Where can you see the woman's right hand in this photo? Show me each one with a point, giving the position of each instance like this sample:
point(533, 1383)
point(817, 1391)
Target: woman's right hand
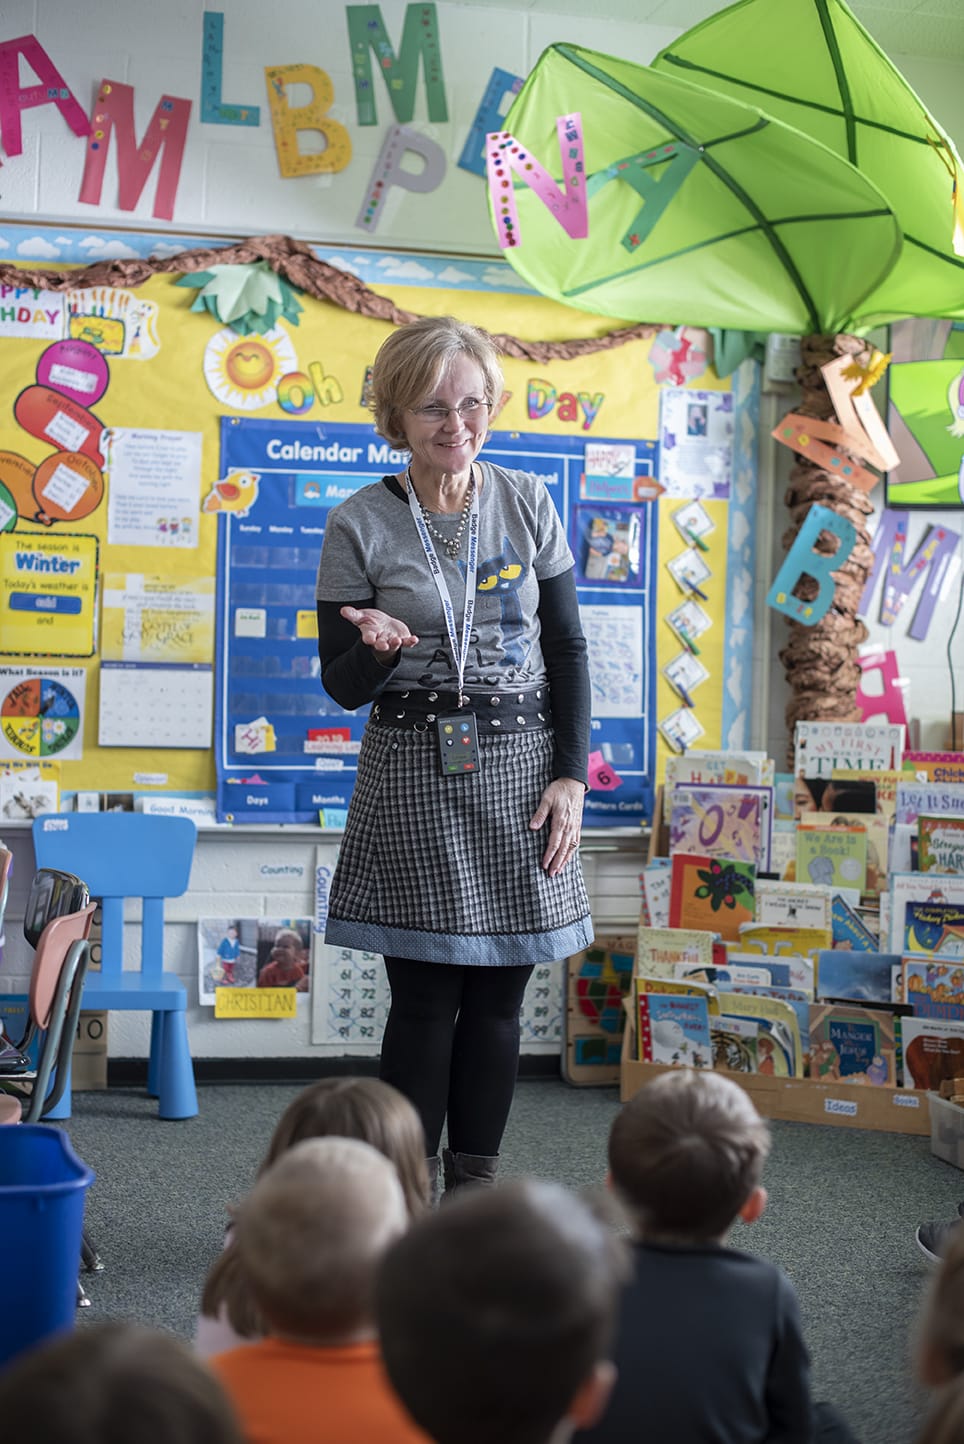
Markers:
point(384, 634)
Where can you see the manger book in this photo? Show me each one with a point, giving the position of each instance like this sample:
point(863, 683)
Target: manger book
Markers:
point(850, 1044)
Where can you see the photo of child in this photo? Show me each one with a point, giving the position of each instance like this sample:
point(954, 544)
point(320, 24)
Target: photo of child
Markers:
point(253, 953)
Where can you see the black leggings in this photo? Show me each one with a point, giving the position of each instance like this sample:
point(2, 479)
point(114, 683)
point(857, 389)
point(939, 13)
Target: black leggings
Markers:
point(451, 1045)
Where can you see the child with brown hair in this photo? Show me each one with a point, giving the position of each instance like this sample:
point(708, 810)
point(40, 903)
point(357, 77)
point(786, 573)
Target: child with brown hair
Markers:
point(310, 1237)
point(362, 1108)
point(496, 1316)
point(709, 1348)
point(113, 1381)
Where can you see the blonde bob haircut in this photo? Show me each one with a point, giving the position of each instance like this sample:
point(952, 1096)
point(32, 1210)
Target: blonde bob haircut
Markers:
point(413, 360)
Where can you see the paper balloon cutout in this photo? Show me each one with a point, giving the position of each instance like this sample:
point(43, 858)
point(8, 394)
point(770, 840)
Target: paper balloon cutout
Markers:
point(701, 210)
point(811, 64)
point(67, 486)
point(59, 421)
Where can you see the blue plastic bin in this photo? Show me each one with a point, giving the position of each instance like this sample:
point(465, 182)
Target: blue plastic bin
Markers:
point(43, 1187)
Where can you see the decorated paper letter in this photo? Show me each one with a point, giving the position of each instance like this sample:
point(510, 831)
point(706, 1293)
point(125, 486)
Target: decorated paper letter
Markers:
point(288, 120)
point(389, 171)
point(505, 156)
point(15, 98)
point(366, 32)
point(164, 138)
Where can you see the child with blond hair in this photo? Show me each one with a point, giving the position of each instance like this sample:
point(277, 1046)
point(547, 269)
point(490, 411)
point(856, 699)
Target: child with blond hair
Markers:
point(710, 1348)
point(364, 1108)
point(310, 1237)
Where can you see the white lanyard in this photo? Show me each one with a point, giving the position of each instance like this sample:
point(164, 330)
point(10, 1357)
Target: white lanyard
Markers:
point(459, 651)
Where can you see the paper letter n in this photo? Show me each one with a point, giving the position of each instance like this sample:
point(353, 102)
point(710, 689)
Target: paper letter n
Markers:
point(505, 156)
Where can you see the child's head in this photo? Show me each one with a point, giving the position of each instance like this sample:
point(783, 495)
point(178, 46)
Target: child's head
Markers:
point(114, 1381)
point(940, 1344)
point(496, 1315)
point(310, 1235)
point(362, 1108)
point(686, 1154)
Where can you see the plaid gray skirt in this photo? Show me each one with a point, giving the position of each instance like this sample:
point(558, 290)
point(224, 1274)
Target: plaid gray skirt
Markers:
point(447, 870)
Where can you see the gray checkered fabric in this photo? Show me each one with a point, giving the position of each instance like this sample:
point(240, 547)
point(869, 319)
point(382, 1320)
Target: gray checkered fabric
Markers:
point(447, 870)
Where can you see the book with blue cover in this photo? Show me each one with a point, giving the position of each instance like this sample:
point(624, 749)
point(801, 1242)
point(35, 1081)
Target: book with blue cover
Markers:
point(674, 1028)
point(856, 974)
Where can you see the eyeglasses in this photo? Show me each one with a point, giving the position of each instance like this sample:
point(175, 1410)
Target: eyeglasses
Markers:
point(468, 408)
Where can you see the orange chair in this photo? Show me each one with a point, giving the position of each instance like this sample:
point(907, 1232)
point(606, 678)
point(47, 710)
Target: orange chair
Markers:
point(56, 990)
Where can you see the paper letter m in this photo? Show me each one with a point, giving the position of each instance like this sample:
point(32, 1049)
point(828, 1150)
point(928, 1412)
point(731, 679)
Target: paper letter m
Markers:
point(367, 33)
point(164, 138)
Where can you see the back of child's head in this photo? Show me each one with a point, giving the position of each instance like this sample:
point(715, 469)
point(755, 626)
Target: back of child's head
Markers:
point(496, 1310)
point(685, 1153)
point(113, 1382)
point(311, 1233)
point(364, 1108)
point(940, 1345)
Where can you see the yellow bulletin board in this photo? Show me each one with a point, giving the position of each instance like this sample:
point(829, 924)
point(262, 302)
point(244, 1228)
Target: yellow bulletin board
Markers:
point(136, 586)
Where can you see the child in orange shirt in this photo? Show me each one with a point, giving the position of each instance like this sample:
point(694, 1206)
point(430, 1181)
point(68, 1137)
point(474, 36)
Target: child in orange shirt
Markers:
point(310, 1237)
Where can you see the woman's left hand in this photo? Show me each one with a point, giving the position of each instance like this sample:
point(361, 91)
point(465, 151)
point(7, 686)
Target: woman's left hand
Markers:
point(560, 806)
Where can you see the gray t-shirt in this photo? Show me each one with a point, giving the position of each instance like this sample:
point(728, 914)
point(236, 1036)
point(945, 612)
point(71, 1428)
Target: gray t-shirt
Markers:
point(372, 548)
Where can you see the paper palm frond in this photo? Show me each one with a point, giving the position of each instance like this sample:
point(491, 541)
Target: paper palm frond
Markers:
point(249, 297)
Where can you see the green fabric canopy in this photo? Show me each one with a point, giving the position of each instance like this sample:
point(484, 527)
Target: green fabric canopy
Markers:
point(702, 209)
point(811, 64)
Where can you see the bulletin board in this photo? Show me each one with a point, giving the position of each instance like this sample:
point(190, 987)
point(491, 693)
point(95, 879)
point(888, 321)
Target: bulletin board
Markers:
point(285, 751)
point(129, 417)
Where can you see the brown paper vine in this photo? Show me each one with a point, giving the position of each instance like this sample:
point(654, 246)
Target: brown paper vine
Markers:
point(820, 662)
point(297, 263)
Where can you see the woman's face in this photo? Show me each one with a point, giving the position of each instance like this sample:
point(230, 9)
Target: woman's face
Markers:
point(450, 444)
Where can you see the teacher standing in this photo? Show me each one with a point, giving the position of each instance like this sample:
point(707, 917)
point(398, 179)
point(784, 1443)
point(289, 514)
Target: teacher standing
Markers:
point(446, 596)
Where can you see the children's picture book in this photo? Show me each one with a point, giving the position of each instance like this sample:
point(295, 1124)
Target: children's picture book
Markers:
point(849, 930)
point(734, 1043)
point(852, 1045)
point(819, 747)
point(797, 999)
point(945, 799)
point(832, 856)
point(674, 1029)
point(793, 904)
point(935, 766)
point(877, 829)
point(935, 929)
point(940, 843)
point(865, 977)
point(711, 894)
point(786, 942)
point(779, 1045)
point(722, 820)
point(788, 970)
point(934, 990)
point(933, 1050)
point(655, 881)
point(908, 887)
point(687, 987)
point(884, 781)
point(660, 950)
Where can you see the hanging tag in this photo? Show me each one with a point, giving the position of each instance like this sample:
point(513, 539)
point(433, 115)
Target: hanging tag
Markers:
point(458, 743)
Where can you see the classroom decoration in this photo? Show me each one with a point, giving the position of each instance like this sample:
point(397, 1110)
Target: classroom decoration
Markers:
point(687, 200)
point(14, 98)
point(247, 297)
point(495, 102)
point(888, 700)
point(420, 41)
point(214, 111)
point(811, 65)
point(287, 120)
point(933, 557)
point(389, 172)
point(164, 138)
point(807, 561)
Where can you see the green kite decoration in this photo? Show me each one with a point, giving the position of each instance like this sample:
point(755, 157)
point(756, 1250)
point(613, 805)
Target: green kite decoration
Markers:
point(248, 297)
point(811, 64)
point(680, 205)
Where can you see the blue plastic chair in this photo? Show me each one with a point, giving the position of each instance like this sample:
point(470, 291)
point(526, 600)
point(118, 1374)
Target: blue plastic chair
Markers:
point(133, 855)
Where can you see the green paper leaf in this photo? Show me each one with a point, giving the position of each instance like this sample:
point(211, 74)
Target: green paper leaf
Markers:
point(811, 64)
point(758, 227)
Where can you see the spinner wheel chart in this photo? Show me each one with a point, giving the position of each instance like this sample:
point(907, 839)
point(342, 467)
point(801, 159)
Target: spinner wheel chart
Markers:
point(40, 717)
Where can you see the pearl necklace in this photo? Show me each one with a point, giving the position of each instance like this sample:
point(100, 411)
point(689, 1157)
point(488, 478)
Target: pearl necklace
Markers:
point(451, 545)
